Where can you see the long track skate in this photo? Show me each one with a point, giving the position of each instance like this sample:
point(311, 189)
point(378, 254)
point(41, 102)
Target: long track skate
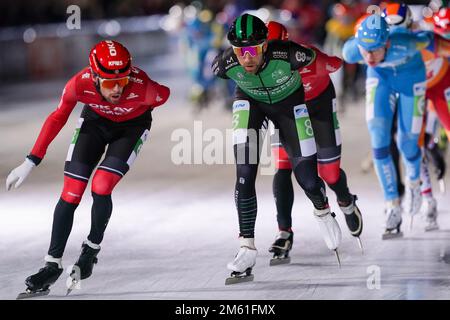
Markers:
point(280, 257)
point(73, 283)
point(392, 233)
point(281, 247)
point(239, 277)
point(28, 293)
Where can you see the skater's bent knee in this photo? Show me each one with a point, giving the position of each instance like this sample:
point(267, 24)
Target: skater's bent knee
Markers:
point(329, 172)
point(73, 190)
point(104, 182)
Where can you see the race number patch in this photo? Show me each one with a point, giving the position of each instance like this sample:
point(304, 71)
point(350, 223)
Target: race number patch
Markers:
point(241, 112)
point(371, 89)
point(74, 139)
point(137, 147)
point(419, 107)
point(447, 98)
point(304, 130)
point(337, 130)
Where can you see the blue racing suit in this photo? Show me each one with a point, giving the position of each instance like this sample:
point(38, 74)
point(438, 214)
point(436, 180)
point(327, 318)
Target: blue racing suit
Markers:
point(398, 81)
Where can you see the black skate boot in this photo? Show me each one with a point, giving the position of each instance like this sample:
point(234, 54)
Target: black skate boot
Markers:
point(281, 247)
point(84, 265)
point(353, 218)
point(39, 283)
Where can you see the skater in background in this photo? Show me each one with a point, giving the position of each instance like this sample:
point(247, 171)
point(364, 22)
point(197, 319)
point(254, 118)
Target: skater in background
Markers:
point(320, 99)
point(399, 18)
point(118, 100)
point(269, 86)
point(339, 28)
point(436, 57)
point(395, 67)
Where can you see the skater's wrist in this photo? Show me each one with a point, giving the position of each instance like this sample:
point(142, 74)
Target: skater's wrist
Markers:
point(36, 160)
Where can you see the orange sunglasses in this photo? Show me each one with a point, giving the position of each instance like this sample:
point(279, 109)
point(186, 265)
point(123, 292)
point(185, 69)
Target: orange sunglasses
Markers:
point(111, 83)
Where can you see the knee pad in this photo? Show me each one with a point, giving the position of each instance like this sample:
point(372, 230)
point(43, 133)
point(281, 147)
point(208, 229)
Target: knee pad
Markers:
point(281, 158)
point(73, 190)
point(329, 172)
point(104, 182)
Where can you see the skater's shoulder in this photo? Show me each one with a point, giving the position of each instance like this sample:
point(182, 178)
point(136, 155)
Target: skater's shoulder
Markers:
point(223, 62)
point(404, 41)
point(79, 83)
point(226, 56)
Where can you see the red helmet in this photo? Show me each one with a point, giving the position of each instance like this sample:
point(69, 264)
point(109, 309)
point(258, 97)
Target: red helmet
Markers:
point(110, 59)
point(277, 31)
point(442, 22)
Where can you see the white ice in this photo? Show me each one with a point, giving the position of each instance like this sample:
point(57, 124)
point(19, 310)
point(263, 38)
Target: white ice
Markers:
point(174, 228)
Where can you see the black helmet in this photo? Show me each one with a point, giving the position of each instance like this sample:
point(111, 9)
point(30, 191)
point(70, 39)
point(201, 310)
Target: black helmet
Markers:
point(247, 30)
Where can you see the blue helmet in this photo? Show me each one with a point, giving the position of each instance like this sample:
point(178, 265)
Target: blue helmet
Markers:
point(373, 32)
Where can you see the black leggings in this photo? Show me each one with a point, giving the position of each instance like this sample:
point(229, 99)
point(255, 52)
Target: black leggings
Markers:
point(123, 141)
point(326, 133)
point(289, 116)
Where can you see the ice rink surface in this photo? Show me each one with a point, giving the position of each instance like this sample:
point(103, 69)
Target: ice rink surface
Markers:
point(174, 227)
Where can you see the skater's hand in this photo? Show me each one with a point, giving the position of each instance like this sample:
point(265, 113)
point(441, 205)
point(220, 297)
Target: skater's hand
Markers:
point(19, 174)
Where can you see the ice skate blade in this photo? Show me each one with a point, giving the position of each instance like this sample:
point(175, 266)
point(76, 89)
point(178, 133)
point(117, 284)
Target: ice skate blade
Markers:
point(431, 228)
point(72, 286)
point(360, 245)
point(387, 236)
point(238, 279)
point(337, 257)
point(28, 295)
point(279, 261)
point(442, 186)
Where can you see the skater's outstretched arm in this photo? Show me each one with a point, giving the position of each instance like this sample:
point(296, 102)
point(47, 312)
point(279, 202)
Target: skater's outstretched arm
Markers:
point(52, 126)
point(55, 122)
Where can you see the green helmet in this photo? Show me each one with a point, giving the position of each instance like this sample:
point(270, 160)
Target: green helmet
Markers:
point(247, 30)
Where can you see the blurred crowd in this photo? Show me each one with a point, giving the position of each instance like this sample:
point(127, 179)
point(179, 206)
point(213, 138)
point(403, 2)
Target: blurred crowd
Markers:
point(201, 27)
point(22, 12)
point(323, 23)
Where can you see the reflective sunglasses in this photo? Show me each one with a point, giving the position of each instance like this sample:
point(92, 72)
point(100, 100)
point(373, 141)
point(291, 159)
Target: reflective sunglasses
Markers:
point(111, 83)
point(252, 50)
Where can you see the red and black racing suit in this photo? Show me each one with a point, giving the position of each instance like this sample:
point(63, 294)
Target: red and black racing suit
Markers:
point(119, 128)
